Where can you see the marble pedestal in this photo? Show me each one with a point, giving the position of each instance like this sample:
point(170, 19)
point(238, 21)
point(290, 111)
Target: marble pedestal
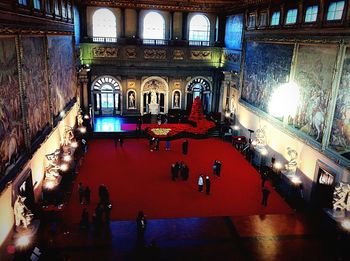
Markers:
point(153, 108)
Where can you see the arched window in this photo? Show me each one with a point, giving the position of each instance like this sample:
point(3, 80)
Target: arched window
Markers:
point(153, 28)
point(104, 26)
point(199, 30)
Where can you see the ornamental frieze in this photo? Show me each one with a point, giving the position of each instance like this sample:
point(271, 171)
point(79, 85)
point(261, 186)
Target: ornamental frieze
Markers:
point(155, 54)
point(178, 54)
point(104, 52)
point(200, 55)
point(232, 57)
point(130, 53)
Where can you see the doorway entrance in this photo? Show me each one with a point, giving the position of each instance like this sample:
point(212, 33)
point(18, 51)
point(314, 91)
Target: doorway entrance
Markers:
point(106, 97)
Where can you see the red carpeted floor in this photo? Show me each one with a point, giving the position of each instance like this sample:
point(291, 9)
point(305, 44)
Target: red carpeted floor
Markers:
point(138, 179)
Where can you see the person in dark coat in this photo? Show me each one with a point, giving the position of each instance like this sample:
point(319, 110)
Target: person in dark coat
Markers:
point(177, 169)
point(207, 185)
point(87, 194)
point(84, 222)
point(263, 179)
point(218, 168)
point(173, 172)
point(185, 147)
point(141, 224)
point(121, 142)
point(103, 194)
point(265, 196)
point(186, 172)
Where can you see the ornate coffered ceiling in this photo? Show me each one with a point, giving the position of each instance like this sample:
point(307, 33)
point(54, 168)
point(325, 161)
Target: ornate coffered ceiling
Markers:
point(180, 5)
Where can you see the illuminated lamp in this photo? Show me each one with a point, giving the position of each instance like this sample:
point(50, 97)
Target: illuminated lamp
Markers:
point(82, 129)
point(50, 184)
point(296, 180)
point(67, 158)
point(346, 224)
point(285, 100)
point(236, 127)
point(23, 241)
point(74, 144)
point(86, 117)
point(64, 167)
point(62, 114)
point(277, 165)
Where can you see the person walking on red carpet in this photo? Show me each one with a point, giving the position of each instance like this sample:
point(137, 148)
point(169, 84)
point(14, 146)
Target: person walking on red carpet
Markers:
point(185, 147)
point(265, 196)
point(141, 224)
point(207, 185)
point(87, 194)
point(173, 172)
point(200, 183)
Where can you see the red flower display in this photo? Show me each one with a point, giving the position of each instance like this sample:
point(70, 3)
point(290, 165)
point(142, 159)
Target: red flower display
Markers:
point(202, 125)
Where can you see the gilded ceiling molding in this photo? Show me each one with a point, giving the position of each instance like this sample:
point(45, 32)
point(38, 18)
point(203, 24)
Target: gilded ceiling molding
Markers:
point(7, 30)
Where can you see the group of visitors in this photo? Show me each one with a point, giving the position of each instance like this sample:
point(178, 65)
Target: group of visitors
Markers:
point(201, 184)
point(102, 210)
point(179, 168)
point(84, 194)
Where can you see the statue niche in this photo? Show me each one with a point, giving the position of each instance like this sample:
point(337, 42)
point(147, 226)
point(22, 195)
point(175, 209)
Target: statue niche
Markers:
point(152, 89)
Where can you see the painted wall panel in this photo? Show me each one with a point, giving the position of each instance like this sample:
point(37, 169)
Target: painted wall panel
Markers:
point(35, 84)
point(11, 125)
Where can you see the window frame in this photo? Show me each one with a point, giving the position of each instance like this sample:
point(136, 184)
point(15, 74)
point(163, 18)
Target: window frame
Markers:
point(251, 23)
point(272, 18)
point(194, 41)
point(342, 15)
point(261, 13)
point(306, 10)
point(106, 38)
point(157, 40)
point(287, 16)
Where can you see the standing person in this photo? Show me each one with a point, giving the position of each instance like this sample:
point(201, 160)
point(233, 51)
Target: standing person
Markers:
point(218, 168)
point(173, 172)
point(157, 144)
point(116, 139)
point(151, 140)
point(84, 222)
point(81, 192)
point(121, 142)
point(87, 194)
point(177, 168)
point(265, 195)
point(167, 145)
point(215, 167)
point(185, 147)
point(139, 124)
point(207, 185)
point(141, 224)
point(200, 183)
point(263, 178)
point(186, 172)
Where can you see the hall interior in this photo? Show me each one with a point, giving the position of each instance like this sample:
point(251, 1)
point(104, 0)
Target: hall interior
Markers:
point(260, 85)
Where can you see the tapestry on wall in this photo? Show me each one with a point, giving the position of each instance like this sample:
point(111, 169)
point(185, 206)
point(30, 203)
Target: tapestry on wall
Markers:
point(340, 135)
point(61, 71)
point(11, 127)
point(267, 66)
point(35, 84)
point(313, 75)
point(233, 32)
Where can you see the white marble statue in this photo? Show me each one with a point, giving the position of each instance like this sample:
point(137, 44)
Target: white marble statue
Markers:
point(131, 100)
point(80, 119)
point(67, 136)
point(23, 216)
point(51, 171)
point(292, 164)
point(153, 97)
point(177, 100)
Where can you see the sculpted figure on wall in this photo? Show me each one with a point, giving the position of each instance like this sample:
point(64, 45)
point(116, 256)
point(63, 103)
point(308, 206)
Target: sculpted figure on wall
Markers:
point(23, 216)
point(51, 171)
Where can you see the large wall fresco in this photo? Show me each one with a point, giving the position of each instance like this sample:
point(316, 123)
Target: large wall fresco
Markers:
point(340, 135)
point(267, 65)
point(233, 32)
point(314, 68)
point(35, 84)
point(61, 71)
point(11, 127)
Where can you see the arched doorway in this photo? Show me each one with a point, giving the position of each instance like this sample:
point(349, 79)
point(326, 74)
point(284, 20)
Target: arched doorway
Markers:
point(106, 96)
point(199, 86)
point(154, 96)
